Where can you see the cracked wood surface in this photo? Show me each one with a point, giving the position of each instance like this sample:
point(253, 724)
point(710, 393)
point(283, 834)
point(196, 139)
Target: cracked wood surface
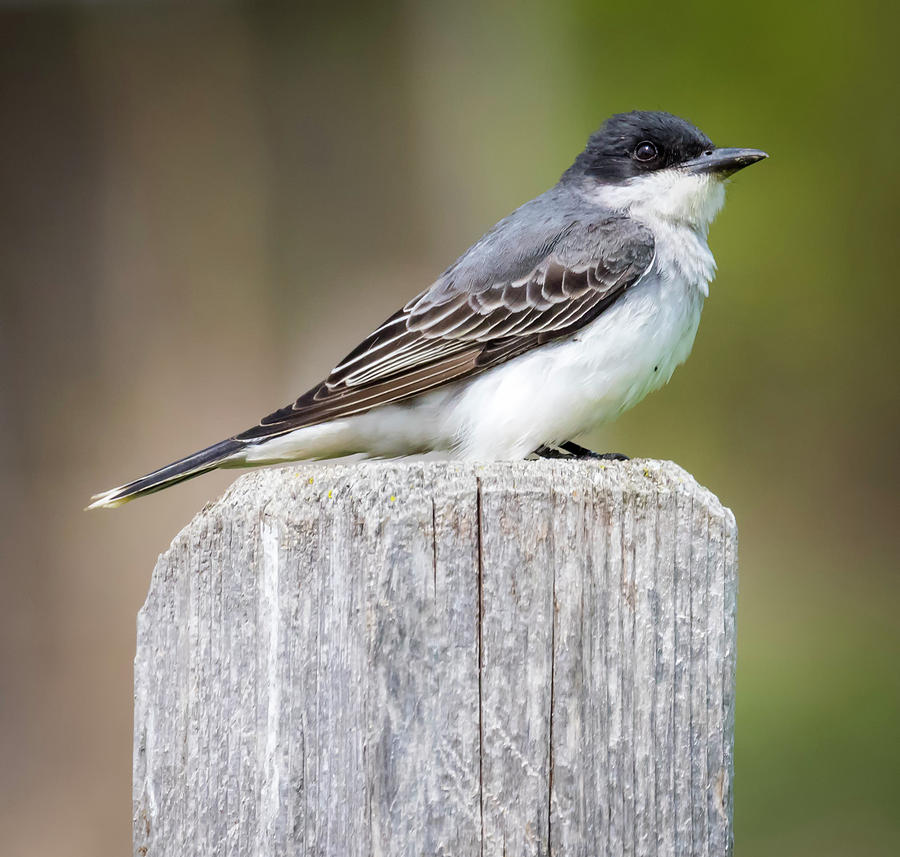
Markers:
point(441, 658)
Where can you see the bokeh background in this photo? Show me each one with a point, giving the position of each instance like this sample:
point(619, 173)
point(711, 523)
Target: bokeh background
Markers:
point(204, 206)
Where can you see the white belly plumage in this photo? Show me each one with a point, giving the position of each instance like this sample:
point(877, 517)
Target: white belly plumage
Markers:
point(561, 391)
point(551, 394)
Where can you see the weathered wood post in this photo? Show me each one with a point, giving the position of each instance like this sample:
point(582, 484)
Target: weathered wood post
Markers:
point(441, 659)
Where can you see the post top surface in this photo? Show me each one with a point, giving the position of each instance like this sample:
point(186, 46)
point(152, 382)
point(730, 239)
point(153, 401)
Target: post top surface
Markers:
point(274, 490)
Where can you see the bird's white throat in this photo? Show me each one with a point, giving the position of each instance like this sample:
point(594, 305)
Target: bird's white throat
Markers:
point(672, 196)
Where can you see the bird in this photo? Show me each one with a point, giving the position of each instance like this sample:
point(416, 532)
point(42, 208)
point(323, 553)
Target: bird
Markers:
point(562, 316)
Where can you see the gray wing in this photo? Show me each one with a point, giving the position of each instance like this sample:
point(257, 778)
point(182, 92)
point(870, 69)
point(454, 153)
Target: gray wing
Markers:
point(492, 305)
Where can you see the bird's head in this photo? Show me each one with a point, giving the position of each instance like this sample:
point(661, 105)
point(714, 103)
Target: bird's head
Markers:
point(657, 166)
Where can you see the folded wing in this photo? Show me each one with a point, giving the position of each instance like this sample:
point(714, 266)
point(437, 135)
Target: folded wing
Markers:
point(459, 328)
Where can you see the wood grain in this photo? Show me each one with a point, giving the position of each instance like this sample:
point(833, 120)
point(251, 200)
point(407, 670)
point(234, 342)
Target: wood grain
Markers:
point(440, 658)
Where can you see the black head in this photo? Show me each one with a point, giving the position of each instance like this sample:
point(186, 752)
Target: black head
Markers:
point(628, 145)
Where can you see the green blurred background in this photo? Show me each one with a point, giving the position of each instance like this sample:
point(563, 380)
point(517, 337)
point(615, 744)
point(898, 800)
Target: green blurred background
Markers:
point(205, 206)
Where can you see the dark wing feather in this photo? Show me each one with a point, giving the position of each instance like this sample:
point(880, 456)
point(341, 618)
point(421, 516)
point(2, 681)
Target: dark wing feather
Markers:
point(449, 333)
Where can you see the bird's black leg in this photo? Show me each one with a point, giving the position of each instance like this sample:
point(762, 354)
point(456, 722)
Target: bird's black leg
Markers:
point(583, 452)
point(544, 451)
point(568, 449)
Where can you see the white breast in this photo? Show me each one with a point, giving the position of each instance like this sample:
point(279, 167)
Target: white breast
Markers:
point(560, 391)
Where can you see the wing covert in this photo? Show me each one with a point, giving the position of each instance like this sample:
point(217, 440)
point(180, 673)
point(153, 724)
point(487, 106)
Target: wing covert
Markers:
point(453, 330)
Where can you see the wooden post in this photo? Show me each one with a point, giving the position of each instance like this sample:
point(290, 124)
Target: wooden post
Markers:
point(419, 659)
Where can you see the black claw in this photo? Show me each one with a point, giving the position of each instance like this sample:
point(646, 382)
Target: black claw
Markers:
point(573, 450)
point(583, 452)
point(544, 451)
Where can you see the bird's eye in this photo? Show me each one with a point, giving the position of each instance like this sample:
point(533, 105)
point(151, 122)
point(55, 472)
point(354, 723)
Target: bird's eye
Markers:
point(645, 151)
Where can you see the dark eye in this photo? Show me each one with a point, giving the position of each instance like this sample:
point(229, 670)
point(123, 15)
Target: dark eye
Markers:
point(645, 151)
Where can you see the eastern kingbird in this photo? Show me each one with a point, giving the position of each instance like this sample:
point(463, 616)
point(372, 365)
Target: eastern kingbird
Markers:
point(564, 315)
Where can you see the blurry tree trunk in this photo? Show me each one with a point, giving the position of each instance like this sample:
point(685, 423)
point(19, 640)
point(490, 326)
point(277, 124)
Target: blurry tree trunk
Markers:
point(441, 658)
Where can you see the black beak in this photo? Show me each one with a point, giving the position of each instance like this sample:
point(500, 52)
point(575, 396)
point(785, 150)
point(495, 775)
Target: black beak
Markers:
point(723, 162)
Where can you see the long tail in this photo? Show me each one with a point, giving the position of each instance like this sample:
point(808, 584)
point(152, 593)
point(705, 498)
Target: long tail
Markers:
point(185, 468)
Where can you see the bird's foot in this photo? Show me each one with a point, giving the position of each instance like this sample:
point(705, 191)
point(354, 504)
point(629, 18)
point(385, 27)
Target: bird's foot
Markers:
point(544, 451)
point(567, 449)
point(579, 451)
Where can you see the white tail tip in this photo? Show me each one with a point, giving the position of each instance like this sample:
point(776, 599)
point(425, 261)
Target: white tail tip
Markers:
point(106, 500)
